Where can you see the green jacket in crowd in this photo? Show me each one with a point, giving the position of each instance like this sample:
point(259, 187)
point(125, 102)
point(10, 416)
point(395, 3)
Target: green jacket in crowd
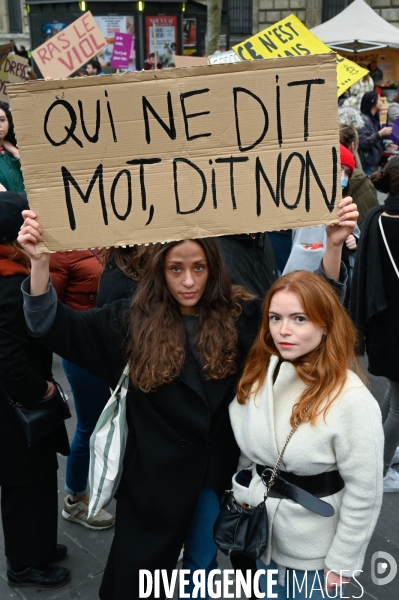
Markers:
point(363, 193)
point(10, 173)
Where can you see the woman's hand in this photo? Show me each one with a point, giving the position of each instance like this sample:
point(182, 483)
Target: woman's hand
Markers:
point(50, 389)
point(10, 149)
point(385, 131)
point(351, 243)
point(336, 236)
point(30, 235)
point(348, 214)
point(333, 580)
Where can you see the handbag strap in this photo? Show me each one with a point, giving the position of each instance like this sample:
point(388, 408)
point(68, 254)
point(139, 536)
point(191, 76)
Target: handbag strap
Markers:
point(280, 456)
point(387, 247)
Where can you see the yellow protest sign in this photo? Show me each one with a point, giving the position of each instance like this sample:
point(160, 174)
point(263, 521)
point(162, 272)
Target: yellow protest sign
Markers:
point(290, 37)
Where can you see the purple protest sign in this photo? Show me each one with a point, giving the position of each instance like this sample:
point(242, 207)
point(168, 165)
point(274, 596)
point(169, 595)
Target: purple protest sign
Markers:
point(122, 50)
point(395, 132)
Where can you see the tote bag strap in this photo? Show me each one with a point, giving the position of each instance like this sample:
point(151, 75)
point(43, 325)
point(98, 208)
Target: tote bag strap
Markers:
point(123, 382)
point(387, 247)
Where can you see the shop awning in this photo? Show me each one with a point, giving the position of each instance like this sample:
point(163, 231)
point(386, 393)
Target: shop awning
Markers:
point(357, 29)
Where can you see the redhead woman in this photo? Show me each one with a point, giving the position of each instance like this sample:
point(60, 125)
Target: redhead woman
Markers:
point(185, 335)
point(302, 375)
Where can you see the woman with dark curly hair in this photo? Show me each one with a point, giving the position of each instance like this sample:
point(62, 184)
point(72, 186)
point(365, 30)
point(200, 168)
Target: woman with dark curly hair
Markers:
point(185, 335)
point(10, 167)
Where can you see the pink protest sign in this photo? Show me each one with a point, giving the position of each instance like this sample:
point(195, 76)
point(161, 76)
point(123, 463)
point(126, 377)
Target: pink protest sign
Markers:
point(122, 50)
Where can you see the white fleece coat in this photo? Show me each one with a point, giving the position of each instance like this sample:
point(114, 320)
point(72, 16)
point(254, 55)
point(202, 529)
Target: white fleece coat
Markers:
point(351, 440)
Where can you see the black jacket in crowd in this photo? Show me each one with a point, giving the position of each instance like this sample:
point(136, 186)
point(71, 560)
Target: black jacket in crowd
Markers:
point(25, 365)
point(250, 261)
point(114, 285)
point(374, 295)
point(371, 143)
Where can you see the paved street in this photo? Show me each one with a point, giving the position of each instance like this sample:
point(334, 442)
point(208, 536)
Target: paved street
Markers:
point(88, 550)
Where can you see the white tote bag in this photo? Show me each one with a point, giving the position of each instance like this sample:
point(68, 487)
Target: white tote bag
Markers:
point(107, 448)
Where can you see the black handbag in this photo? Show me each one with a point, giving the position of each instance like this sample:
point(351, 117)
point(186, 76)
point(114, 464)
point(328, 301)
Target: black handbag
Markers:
point(39, 420)
point(241, 530)
point(244, 529)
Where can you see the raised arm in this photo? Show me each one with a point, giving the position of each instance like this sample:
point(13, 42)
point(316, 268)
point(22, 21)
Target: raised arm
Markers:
point(93, 340)
point(29, 236)
point(336, 236)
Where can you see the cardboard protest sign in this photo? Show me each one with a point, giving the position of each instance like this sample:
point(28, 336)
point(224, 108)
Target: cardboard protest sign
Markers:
point(65, 52)
point(13, 70)
point(190, 61)
point(290, 37)
point(5, 50)
point(122, 50)
point(180, 153)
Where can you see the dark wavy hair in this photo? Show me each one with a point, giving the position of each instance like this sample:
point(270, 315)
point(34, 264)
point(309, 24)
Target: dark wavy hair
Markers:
point(369, 100)
point(11, 133)
point(157, 334)
point(387, 181)
point(131, 260)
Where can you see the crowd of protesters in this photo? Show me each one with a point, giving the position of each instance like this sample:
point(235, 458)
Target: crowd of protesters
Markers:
point(225, 358)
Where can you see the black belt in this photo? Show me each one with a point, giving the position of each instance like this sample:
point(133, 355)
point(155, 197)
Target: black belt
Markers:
point(306, 490)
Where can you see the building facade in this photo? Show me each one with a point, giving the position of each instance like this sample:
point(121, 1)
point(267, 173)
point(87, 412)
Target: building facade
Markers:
point(247, 17)
point(14, 22)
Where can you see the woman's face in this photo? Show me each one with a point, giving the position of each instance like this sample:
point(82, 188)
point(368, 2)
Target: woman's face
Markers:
point(186, 274)
point(4, 125)
point(345, 175)
point(292, 331)
point(378, 104)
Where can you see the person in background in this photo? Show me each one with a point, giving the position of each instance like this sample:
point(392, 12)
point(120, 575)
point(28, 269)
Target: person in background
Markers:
point(362, 190)
point(371, 136)
point(149, 63)
point(10, 166)
point(75, 277)
point(250, 261)
point(374, 305)
point(376, 73)
point(81, 72)
point(28, 475)
point(93, 67)
point(366, 84)
point(393, 110)
point(282, 245)
point(123, 269)
point(350, 116)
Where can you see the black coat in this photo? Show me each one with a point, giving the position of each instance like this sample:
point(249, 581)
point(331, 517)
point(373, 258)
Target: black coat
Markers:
point(174, 443)
point(25, 365)
point(374, 295)
point(371, 143)
point(114, 285)
point(250, 261)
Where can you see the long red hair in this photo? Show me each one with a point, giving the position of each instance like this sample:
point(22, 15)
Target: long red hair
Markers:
point(324, 369)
